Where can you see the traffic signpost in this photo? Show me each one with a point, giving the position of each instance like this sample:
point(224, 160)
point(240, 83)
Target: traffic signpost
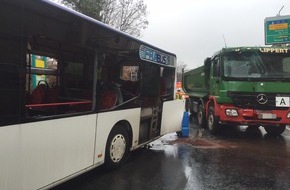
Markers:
point(277, 30)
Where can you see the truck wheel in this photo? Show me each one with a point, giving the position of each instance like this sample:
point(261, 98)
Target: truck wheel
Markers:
point(187, 105)
point(200, 116)
point(188, 108)
point(212, 121)
point(274, 130)
point(117, 148)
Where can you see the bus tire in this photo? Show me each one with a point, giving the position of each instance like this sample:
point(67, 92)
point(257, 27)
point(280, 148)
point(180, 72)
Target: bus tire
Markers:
point(275, 130)
point(212, 121)
point(117, 148)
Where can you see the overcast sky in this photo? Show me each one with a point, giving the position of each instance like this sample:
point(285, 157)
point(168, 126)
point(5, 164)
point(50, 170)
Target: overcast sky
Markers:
point(194, 29)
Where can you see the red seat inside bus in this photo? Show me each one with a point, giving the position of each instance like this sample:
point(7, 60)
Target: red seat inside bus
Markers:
point(52, 94)
point(38, 94)
point(108, 99)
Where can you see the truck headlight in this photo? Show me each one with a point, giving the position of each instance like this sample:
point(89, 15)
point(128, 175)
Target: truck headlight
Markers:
point(232, 112)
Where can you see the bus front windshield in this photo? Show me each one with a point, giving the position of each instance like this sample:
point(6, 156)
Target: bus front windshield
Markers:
point(257, 65)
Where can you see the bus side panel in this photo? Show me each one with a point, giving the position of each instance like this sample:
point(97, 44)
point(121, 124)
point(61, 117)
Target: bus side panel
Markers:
point(36, 154)
point(105, 123)
point(172, 116)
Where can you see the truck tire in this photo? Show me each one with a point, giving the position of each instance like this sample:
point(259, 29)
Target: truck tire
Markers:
point(188, 108)
point(188, 105)
point(212, 121)
point(200, 116)
point(274, 130)
point(117, 148)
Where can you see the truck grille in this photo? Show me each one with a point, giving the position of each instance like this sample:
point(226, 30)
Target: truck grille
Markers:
point(250, 100)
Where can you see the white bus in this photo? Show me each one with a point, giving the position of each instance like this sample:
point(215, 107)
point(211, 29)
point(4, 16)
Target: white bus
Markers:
point(76, 94)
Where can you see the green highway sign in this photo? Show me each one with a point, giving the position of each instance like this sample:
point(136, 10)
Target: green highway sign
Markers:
point(277, 30)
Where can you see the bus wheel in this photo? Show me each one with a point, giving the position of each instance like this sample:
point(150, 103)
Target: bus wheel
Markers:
point(274, 130)
point(212, 121)
point(200, 116)
point(117, 148)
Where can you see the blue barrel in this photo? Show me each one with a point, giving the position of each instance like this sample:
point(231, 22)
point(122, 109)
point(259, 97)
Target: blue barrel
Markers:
point(185, 125)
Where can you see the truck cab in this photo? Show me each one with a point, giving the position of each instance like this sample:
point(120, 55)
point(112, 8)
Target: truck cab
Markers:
point(241, 86)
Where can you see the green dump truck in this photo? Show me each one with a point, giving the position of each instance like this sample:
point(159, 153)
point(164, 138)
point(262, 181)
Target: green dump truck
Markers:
point(241, 86)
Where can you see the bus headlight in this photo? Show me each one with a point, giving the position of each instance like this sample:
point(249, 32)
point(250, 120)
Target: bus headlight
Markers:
point(232, 112)
point(288, 115)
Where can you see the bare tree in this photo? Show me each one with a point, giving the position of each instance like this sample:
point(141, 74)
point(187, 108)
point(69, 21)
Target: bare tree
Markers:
point(126, 15)
point(91, 8)
point(179, 70)
point(129, 16)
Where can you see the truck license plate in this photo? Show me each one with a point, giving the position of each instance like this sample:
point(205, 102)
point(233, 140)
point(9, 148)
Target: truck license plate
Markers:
point(267, 116)
point(282, 101)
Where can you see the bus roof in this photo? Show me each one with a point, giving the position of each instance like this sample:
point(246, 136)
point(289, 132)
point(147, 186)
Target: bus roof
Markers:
point(61, 8)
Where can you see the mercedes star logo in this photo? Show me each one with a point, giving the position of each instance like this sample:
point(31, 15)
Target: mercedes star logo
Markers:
point(262, 99)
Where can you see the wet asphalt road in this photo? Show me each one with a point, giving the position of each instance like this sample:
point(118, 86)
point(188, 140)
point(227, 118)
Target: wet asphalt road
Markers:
point(238, 158)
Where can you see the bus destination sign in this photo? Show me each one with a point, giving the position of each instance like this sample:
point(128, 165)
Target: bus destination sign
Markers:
point(149, 54)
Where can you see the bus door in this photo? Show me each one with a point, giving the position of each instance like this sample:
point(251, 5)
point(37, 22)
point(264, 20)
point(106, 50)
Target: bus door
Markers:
point(172, 110)
point(157, 91)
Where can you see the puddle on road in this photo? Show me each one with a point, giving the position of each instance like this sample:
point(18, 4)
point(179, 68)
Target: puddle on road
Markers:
point(161, 143)
point(200, 143)
point(197, 142)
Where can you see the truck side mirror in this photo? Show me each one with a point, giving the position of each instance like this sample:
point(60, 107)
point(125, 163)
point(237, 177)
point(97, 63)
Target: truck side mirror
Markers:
point(216, 68)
